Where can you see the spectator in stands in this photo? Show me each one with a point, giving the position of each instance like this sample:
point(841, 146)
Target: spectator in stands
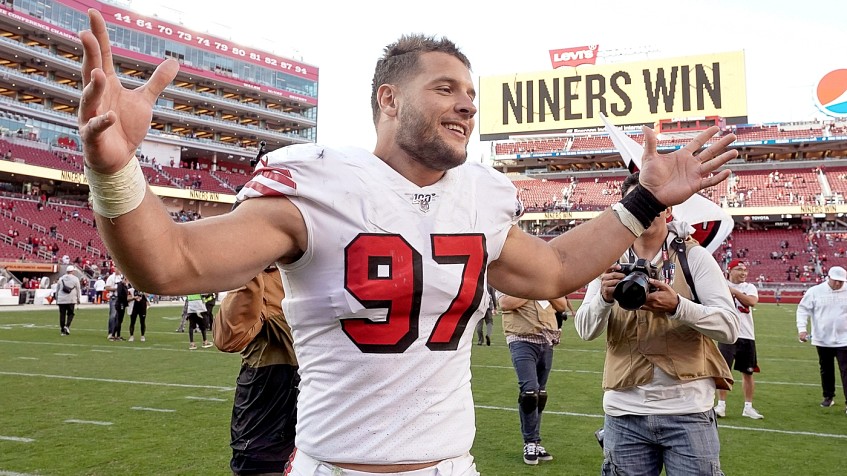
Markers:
point(8, 155)
point(264, 411)
point(531, 334)
point(824, 305)
point(68, 292)
point(743, 351)
point(423, 112)
point(662, 367)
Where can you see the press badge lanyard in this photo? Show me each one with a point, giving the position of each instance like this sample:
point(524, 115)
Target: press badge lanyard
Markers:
point(668, 268)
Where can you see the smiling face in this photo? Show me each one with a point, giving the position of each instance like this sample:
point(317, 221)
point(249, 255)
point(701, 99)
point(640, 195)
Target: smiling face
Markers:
point(435, 112)
point(738, 274)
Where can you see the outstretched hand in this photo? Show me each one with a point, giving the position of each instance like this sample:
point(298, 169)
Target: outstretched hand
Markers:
point(674, 177)
point(113, 120)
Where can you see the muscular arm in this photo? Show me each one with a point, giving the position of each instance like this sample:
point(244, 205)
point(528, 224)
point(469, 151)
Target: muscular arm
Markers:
point(212, 254)
point(532, 268)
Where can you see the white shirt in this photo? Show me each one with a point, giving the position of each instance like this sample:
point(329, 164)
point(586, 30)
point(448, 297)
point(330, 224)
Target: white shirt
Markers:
point(99, 285)
point(745, 314)
point(380, 388)
point(827, 309)
point(665, 395)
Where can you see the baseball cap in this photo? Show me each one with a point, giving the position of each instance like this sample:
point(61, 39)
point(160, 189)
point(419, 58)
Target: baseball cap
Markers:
point(735, 263)
point(71, 269)
point(837, 273)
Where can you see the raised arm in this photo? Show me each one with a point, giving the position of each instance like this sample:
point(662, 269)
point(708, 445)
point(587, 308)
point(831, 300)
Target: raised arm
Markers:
point(532, 268)
point(157, 254)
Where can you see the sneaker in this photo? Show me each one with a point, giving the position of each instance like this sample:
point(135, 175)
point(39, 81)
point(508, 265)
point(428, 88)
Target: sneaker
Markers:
point(543, 455)
point(66, 330)
point(479, 343)
point(180, 330)
point(132, 338)
point(143, 339)
point(751, 412)
point(192, 346)
point(720, 411)
point(110, 337)
point(207, 344)
point(827, 402)
point(530, 454)
point(487, 340)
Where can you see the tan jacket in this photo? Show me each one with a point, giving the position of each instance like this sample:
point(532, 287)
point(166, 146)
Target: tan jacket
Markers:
point(251, 321)
point(529, 319)
point(638, 340)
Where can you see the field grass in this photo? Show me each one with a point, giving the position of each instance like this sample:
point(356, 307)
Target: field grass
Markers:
point(80, 405)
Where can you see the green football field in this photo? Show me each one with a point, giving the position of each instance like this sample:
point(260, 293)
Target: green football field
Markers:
point(81, 405)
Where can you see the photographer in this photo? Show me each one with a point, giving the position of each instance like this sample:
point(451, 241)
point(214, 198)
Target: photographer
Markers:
point(662, 367)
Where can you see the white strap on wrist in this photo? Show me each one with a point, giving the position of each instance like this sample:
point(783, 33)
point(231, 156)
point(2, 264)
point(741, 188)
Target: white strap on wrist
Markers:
point(113, 195)
point(628, 219)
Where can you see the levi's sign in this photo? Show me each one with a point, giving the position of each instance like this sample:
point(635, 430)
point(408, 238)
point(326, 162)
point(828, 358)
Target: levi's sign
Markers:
point(632, 93)
point(573, 56)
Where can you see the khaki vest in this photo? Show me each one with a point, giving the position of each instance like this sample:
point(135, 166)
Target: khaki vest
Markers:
point(529, 319)
point(638, 340)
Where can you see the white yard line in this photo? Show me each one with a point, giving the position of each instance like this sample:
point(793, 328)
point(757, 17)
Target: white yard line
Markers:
point(207, 399)
point(16, 438)
point(89, 422)
point(110, 380)
point(148, 409)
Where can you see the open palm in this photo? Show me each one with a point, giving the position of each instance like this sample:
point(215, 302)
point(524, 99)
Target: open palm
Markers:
point(674, 177)
point(113, 120)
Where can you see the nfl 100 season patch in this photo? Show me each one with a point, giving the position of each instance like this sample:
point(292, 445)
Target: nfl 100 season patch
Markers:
point(423, 200)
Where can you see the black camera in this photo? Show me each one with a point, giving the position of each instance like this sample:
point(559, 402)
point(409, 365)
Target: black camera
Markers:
point(631, 293)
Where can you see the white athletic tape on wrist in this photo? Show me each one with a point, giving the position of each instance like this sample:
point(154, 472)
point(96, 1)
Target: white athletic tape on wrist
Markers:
point(113, 195)
point(628, 219)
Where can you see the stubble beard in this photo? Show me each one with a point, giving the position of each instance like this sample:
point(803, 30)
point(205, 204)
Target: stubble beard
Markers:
point(423, 144)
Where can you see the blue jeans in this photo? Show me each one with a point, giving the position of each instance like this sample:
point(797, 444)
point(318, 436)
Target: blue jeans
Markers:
point(532, 363)
point(641, 445)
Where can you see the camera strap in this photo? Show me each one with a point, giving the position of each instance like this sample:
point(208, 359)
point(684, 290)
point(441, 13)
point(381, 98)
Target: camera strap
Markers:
point(678, 245)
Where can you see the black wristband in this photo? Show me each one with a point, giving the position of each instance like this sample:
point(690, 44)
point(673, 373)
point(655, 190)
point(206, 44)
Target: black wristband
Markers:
point(643, 205)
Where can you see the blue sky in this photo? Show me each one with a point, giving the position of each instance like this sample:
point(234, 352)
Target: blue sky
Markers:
point(788, 45)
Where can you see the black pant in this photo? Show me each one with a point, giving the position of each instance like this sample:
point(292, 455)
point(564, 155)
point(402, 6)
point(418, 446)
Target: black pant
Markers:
point(116, 317)
point(825, 358)
point(264, 416)
point(196, 321)
point(141, 315)
point(66, 315)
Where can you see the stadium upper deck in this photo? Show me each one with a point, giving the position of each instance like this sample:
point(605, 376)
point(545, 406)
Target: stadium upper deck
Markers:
point(226, 98)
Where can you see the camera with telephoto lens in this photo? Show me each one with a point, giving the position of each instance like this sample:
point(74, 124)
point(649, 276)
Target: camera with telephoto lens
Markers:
point(631, 292)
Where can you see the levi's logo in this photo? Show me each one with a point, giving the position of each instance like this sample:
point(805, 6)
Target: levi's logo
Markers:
point(573, 56)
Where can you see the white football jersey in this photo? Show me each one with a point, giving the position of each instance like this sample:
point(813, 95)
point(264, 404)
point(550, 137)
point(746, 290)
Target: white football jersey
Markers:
point(383, 303)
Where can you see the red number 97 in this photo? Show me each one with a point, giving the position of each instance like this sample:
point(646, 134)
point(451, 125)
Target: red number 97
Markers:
point(386, 272)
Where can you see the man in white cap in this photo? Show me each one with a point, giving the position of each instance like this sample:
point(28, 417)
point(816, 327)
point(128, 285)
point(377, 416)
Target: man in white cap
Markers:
point(67, 297)
point(826, 306)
